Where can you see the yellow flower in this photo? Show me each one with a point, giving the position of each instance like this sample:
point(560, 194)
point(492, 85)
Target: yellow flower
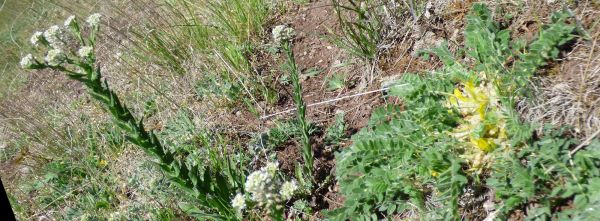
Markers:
point(102, 163)
point(482, 129)
point(470, 100)
point(483, 144)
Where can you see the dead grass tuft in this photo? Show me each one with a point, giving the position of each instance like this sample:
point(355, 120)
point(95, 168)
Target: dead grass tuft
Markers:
point(572, 95)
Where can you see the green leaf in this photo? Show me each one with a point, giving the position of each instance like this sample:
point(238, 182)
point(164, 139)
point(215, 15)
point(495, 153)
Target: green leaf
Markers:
point(336, 82)
point(196, 212)
point(311, 72)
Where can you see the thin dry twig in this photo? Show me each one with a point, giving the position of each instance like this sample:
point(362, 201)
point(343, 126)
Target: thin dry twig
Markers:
point(330, 101)
point(584, 143)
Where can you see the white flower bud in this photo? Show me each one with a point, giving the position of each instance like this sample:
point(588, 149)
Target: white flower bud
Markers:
point(288, 189)
point(265, 187)
point(70, 20)
point(36, 38)
point(271, 168)
point(53, 36)
point(55, 57)
point(283, 33)
point(257, 184)
point(94, 19)
point(238, 202)
point(28, 61)
point(85, 51)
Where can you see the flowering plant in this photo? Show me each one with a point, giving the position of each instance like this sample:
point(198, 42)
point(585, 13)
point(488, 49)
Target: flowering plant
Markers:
point(282, 34)
point(208, 185)
point(53, 43)
point(483, 127)
point(267, 190)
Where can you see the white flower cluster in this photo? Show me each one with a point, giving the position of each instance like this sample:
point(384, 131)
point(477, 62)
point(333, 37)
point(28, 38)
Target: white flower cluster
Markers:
point(28, 61)
point(288, 189)
point(282, 33)
point(261, 184)
point(266, 188)
point(53, 36)
point(94, 19)
point(36, 38)
point(55, 57)
point(54, 39)
point(85, 51)
point(271, 168)
point(239, 202)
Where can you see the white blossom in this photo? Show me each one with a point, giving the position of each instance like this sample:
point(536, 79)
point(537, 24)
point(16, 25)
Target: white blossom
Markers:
point(55, 57)
point(283, 33)
point(288, 189)
point(70, 20)
point(28, 61)
point(266, 188)
point(85, 51)
point(36, 38)
point(94, 19)
point(271, 168)
point(238, 202)
point(53, 35)
point(257, 184)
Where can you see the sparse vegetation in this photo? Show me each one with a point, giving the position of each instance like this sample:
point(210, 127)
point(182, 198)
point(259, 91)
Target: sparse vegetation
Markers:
point(271, 110)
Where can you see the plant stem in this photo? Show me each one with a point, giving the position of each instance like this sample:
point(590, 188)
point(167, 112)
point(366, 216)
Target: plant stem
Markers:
point(307, 152)
point(209, 187)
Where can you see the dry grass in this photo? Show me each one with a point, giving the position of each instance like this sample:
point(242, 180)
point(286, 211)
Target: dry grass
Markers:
point(569, 94)
point(572, 96)
point(51, 118)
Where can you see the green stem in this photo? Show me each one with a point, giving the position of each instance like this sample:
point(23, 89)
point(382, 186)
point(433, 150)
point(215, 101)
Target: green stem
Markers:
point(307, 152)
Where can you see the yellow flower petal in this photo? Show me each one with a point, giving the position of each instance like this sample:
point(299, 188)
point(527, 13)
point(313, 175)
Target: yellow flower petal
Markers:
point(459, 95)
point(484, 144)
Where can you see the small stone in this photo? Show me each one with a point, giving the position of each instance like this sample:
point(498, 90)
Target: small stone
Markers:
point(25, 170)
point(337, 63)
point(428, 6)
